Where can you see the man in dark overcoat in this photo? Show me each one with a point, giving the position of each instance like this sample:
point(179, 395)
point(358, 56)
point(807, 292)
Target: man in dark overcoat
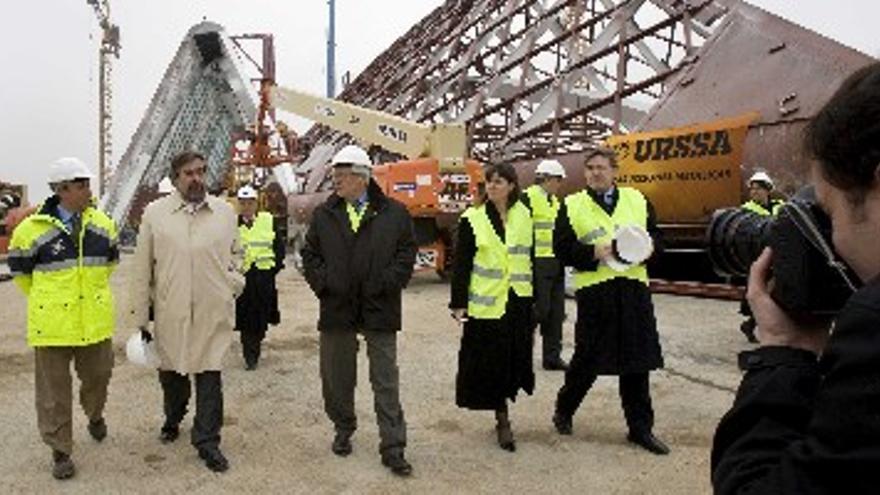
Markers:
point(358, 256)
point(615, 333)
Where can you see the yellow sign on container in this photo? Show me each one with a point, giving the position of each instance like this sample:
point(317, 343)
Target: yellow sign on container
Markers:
point(686, 172)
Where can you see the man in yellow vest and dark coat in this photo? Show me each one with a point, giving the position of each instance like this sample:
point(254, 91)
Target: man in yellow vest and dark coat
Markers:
point(358, 256)
point(760, 203)
point(263, 255)
point(549, 279)
point(615, 333)
point(62, 257)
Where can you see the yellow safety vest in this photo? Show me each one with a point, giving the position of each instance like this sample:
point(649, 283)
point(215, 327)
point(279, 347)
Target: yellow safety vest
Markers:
point(68, 289)
point(499, 266)
point(257, 241)
point(592, 225)
point(544, 210)
point(354, 216)
point(755, 207)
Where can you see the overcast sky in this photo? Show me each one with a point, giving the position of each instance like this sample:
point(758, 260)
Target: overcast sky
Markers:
point(49, 66)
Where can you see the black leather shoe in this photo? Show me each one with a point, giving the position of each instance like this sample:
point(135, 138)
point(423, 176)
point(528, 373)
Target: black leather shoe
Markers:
point(562, 424)
point(397, 464)
point(555, 365)
point(169, 434)
point(214, 459)
point(342, 444)
point(250, 366)
point(98, 429)
point(62, 466)
point(648, 442)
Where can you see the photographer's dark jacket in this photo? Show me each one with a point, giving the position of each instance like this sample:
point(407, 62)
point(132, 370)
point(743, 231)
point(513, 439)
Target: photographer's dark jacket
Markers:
point(807, 426)
point(358, 276)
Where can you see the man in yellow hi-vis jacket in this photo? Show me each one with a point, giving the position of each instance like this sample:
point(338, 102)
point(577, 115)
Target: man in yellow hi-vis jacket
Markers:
point(62, 257)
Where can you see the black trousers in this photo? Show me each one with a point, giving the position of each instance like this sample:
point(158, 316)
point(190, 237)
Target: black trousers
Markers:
point(549, 305)
point(205, 433)
point(251, 346)
point(635, 396)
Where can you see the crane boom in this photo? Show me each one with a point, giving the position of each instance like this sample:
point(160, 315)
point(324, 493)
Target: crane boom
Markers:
point(445, 142)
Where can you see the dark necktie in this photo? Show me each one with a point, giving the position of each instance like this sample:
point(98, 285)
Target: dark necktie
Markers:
point(75, 226)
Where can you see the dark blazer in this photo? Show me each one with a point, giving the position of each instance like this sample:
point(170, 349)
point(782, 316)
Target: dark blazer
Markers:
point(358, 277)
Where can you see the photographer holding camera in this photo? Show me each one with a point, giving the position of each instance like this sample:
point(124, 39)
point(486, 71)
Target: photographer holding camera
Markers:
point(806, 418)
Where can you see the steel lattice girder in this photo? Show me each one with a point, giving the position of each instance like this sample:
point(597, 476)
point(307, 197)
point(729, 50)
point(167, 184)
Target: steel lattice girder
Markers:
point(532, 78)
point(202, 101)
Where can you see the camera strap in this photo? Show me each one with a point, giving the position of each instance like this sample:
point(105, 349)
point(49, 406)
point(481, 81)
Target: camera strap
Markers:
point(804, 222)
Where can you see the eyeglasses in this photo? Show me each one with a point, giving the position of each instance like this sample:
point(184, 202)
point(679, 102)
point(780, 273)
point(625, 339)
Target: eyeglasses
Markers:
point(341, 175)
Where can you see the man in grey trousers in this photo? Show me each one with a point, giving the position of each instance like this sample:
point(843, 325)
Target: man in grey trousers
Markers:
point(358, 256)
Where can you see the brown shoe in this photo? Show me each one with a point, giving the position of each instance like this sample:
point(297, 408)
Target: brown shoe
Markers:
point(505, 436)
point(62, 466)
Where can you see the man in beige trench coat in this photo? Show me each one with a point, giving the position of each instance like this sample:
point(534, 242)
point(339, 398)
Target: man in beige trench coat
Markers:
point(187, 265)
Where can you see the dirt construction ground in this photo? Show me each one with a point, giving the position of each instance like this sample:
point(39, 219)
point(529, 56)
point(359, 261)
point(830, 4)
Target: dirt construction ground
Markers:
point(278, 440)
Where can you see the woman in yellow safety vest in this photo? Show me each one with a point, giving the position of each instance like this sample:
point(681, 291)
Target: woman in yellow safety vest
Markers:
point(492, 298)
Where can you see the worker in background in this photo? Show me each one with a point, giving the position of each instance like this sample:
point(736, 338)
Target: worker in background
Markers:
point(615, 332)
point(62, 257)
point(549, 277)
point(358, 256)
point(491, 296)
point(263, 255)
point(760, 203)
point(187, 264)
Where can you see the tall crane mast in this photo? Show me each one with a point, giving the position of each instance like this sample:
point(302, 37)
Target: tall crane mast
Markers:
point(109, 47)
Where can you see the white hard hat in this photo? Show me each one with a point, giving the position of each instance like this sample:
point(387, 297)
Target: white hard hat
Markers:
point(634, 246)
point(761, 176)
point(66, 169)
point(550, 167)
point(247, 192)
point(352, 155)
point(165, 186)
point(141, 352)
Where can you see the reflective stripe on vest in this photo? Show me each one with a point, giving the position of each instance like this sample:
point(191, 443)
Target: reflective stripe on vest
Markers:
point(544, 210)
point(355, 217)
point(757, 208)
point(68, 288)
point(257, 241)
point(592, 225)
point(499, 266)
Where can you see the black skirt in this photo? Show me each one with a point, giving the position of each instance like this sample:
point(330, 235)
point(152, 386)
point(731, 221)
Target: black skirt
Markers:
point(495, 358)
point(253, 308)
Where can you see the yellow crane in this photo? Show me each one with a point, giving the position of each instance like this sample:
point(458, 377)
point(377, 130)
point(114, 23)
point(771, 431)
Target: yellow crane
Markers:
point(109, 47)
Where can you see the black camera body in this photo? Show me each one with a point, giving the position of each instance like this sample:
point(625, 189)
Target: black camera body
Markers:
point(809, 277)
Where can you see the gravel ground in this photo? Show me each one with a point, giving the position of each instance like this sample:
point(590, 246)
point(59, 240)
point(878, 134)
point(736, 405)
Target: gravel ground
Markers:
point(277, 437)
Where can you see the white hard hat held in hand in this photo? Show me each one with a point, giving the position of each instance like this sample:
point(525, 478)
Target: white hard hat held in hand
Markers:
point(550, 168)
point(247, 192)
point(634, 246)
point(67, 169)
point(762, 177)
point(141, 352)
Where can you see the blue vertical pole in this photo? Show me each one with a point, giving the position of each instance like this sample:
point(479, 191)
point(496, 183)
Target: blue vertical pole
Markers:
point(331, 51)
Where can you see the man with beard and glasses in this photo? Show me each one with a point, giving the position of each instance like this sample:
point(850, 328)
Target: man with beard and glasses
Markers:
point(187, 265)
